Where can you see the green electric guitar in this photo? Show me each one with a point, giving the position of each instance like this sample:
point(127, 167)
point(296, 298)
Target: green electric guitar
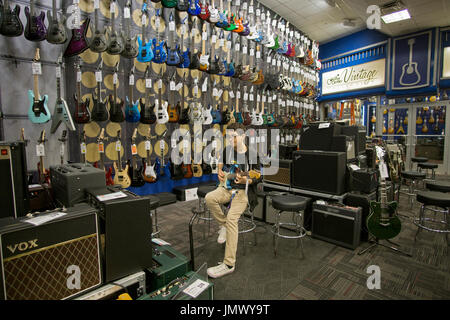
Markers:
point(383, 222)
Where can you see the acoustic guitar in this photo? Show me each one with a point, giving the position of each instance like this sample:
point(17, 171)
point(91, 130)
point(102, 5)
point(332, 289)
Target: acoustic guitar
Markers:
point(121, 176)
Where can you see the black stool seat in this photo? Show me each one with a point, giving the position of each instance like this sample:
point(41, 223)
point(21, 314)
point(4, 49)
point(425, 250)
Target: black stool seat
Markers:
point(154, 202)
point(202, 191)
point(166, 198)
point(413, 175)
point(433, 198)
point(419, 159)
point(289, 202)
point(428, 165)
point(441, 186)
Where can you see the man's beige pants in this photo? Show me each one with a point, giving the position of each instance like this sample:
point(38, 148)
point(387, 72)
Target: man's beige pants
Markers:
point(238, 205)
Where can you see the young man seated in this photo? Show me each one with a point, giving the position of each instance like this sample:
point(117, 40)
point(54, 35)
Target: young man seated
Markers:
point(238, 196)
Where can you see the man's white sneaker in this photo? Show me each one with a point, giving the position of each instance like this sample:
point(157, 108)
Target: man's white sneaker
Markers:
point(219, 271)
point(222, 235)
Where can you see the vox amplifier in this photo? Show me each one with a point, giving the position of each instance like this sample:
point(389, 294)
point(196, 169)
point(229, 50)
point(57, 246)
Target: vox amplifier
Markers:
point(51, 256)
point(283, 176)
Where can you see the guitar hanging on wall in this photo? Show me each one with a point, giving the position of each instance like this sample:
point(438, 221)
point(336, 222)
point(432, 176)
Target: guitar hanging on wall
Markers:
point(148, 115)
point(44, 174)
point(130, 49)
point(63, 141)
point(62, 112)
point(99, 42)
point(56, 27)
point(10, 25)
point(115, 108)
point(35, 29)
point(101, 150)
point(410, 74)
point(132, 107)
point(148, 174)
point(121, 174)
point(78, 43)
point(145, 47)
point(38, 111)
point(99, 111)
point(162, 116)
point(116, 40)
point(81, 114)
point(135, 173)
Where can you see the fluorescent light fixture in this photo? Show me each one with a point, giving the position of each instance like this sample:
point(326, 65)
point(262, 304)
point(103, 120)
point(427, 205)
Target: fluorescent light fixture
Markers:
point(396, 16)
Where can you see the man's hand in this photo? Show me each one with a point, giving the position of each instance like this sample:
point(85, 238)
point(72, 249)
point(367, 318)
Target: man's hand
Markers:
point(221, 175)
point(240, 179)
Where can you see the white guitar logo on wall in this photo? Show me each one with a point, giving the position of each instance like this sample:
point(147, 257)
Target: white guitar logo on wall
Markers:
point(410, 75)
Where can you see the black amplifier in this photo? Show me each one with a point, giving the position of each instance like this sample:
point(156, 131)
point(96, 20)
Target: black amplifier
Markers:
point(286, 150)
point(50, 256)
point(14, 185)
point(125, 227)
point(319, 136)
point(355, 199)
point(336, 223)
point(69, 182)
point(364, 180)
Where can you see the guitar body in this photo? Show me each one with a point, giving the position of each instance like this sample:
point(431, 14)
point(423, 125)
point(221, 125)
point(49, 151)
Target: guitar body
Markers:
point(194, 8)
point(197, 171)
point(182, 5)
point(238, 117)
point(99, 111)
point(82, 114)
point(132, 111)
point(231, 23)
point(11, 25)
point(213, 15)
point(162, 116)
point(177, 171)
point(56, 30)
point(78, 43)
point(206, 168)
point(213, 66)
point(195, 62)
point(99, 43)
point(108, 177)
point(121, 177)
point(230, 69)
point(246, 30)
point(116, 43)
point(410, 74)
point(185, 59)
point(35, 29)
point(169, 3)
point(130, 48)
point(225, 117)
point(247, 119)
point(148, 115)
point(270, 119)
point(173, 56)
point(204, 11)
point(160, 54)
point(187, 171)
point(148, 174)
point(145, 51)
point(184, 118)
point(174, 114)
point(62, 114)
point(115, 110)
point(207, 116)
point(38, 111)
point(217, 116)
point(204, 63)
point(239, 26)
point(374, 221)
point(196, 112)
point(135, 176)
point(223, 21)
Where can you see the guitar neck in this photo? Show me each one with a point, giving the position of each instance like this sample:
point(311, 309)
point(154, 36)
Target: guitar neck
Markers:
point(96, 19)
point(58, 89)
point(36, 87)
point(54, 12)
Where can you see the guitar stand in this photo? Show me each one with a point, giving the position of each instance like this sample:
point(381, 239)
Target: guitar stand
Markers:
point(376, 242)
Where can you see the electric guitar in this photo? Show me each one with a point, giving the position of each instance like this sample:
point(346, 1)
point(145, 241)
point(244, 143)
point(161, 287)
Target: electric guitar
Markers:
point(169, 3)
point(132, 107)
point(130, 49)
point(232, 173)
point(160, 54)
point(10, 25)
point(38, 111)
point(204, 59)
point(229, 64)
point(99, 42)
point(148, 174)
point(173, 110)
point(116, 40)
point(410, 74)
point(206, 112)
point(215, 112)
point(35, 29)
point(246, 30)
point(173, 55)
point(56, 27)
point(145, 48)
point(162, 115)
point(115, 108)
point(237, 114)
point(221, 64)
point(101, 149)
point(81, 114)
point(99, 111)
point(63, 140)
point(383, 222)
point(223, 20)
point(246, 114)
point(164, 169)
point(204, 10)
point(194, 58)
point(213, 13)
point(185, 56)
point(83, 147)
point(62, 112)
point(213, 60)
point(185, 111)
point(121, 174)
point(225, 113)
point(182, 5)
point(44, 174)
point(78, 42)
point(134, 172)
point(194, 8)
point(196, 108)
point(231, 19)
point(148, 115)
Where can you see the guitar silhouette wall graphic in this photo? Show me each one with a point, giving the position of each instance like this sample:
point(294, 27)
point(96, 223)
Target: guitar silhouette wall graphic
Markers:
point(410, 75)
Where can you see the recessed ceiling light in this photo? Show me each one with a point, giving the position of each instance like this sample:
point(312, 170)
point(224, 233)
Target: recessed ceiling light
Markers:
point(396, 16)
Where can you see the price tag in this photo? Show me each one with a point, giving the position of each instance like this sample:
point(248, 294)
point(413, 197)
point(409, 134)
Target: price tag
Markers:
point(269, 100)
point(258, 54)
point(324, 125)
point(78, 76)
point(278, 63)
point(144, 20)
point(83, 148)
point(115, 78)
point(274, 62)
point(133, 149)
point(278, 138)
point(264, 98)
point(172, 85)
point(237, 47)
point(204, 142)
point(258, 98)
point(126, 12)
point(245, 96)
point(244, 49)
point(195, 90)
point(205, 86)
point(148, 83)
point(252, 140)
point(252, 52)
point(61, 150)
point(160, 84)
point(250, 10)
point(204, 36)
point(221, 42)
point(229, 44)
point(179, 86)
point(238, 94)
point(269, 59)
point(131, 82)
point(173, 143)
point(213, 38)
point(274, 23)
point(98, 76)
point(162, 145)
point(252, 97)
point(147, 145)
point(231, 94)
point(263, 139)
point(215, 92)
point(258, 139)
point(40, 150)
point(172, 26)
point(58, 72)
point(258, 13)
point(37, 68)
point(118, 146)
point(101, 147)
point(219, 93)
point(274, 97)
point(112, 7)
point(96, 4)
point(238, 3)
point(157, 23)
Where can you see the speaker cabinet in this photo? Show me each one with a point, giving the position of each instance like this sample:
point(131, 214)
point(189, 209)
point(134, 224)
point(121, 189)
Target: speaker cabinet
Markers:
point(320, 171)
point(283, 176)
point(319, 136)
point(42, 262)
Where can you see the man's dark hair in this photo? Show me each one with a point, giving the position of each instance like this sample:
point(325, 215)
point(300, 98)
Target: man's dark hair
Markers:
point(236, 126)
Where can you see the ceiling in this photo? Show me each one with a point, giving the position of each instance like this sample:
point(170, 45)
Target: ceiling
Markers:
point(323, 23)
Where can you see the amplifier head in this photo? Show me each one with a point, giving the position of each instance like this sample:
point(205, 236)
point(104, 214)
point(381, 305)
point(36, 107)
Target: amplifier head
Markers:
point(283, 176)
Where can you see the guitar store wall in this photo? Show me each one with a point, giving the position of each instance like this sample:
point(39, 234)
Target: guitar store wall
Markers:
point(16, 55)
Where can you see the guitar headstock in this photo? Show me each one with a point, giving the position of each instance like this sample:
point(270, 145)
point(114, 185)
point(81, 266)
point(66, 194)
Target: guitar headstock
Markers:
point(101, 137)
point(42, 137)
point(133, 137)
point(100, 65)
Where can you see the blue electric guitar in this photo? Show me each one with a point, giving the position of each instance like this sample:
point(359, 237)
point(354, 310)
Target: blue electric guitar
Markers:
point(194, 8)
point(159, 51)
point(223, 19)
point(185, 56)
point(410, 74)
point(173, 54)
point(131, 110)
point(38, 111)
point(231, 172)
point(145, 48)
point(230, 64)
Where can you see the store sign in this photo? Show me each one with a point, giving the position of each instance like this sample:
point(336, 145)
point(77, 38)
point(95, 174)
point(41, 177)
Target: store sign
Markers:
point(361, 76)
point(446, 63)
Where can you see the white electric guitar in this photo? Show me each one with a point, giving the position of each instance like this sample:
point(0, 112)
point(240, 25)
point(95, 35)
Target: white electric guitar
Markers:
point(162, 116)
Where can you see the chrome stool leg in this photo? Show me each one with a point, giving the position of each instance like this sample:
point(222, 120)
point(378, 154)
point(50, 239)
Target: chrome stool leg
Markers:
point(421, 220)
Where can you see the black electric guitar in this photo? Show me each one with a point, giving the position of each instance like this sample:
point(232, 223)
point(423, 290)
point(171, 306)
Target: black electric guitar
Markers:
point(116, 40)
point(134, 172)
point(11, 25)
point(99, 42)
point(116, 108)
point(148, 115)
point(130, 49)
point(81, 114)
point(185, 111)
point(99, 112)
point(56, 30)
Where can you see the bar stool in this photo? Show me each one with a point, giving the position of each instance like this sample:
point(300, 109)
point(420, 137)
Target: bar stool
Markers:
point(412, 177)
point(417, 160)
point(296, 205)
point(428, 166)
point(440, 186)
point(436, 199)
point(202, 211)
